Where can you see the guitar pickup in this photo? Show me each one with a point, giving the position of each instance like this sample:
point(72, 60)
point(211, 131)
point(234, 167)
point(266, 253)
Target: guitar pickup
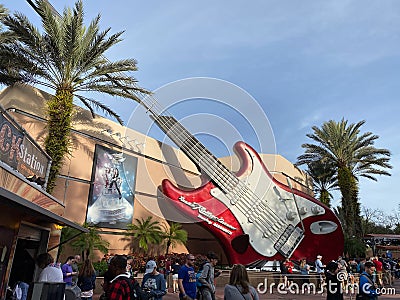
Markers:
point(289, 240)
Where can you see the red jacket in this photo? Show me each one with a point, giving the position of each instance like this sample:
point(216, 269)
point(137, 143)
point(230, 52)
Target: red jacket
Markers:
point(378, 265)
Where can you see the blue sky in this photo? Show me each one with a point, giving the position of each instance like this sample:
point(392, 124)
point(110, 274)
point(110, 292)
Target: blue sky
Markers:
point(304, 62)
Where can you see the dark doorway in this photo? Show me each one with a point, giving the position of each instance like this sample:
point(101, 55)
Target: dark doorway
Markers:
point(23, 266)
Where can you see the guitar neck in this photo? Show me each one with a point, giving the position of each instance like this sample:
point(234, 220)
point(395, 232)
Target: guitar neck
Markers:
point(196, 152)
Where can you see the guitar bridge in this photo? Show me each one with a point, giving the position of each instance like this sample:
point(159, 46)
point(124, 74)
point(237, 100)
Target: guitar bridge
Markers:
point(289, 240)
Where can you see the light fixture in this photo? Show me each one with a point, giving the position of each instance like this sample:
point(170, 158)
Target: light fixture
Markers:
point(109, 131)
point(117, 134)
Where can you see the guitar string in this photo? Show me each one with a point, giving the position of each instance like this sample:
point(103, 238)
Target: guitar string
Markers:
point(228, 176)
point(174, 129)
point(161, 118)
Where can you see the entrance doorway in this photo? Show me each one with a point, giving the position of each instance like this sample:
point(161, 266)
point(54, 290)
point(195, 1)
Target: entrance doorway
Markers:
point(31, 241)
point(23, 267)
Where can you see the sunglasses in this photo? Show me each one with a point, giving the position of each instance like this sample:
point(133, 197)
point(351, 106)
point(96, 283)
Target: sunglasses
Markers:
point(192, 259)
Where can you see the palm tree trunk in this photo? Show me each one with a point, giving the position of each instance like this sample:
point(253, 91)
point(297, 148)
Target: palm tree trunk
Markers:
point(325, 197)
point(357, 214)
point(168, 245)
point(59, 113)
point(348, 190)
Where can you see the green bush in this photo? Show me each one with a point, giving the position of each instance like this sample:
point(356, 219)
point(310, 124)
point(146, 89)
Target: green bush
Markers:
point(101, 267)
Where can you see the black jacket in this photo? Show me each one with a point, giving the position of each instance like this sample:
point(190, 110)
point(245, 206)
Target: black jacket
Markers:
point(87, 283)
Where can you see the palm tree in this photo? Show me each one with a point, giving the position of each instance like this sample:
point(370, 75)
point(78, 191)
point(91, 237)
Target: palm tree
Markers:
point(353, 155)
point(3, 12)
point(146, 232)
point(5, 36)
point(86, 243)
point(174, 235)
point(68, 59)
point(323, 174)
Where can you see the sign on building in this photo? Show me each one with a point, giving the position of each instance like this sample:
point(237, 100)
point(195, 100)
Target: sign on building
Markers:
point(19, 151)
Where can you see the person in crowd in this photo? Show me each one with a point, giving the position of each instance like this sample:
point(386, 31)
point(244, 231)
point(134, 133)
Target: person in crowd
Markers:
point(120, 286)
point(334, 289)
point(239, 287)
point(288, 265)
point(304, 271)
point(284, 273)
point(352, 266)
point(207, 277)
point(51, 272)
point(67, 270)
point(343, 264)
point(320, 268)
point(397, 269)
point(367, 287)
point(129, 261)
point(360, 265)
point(75, 268)
point(187, 279)
point(175, 270)
point(199, 285)
point(107, 277)
point(87, 280)
point(154, 281)
point(379, 270)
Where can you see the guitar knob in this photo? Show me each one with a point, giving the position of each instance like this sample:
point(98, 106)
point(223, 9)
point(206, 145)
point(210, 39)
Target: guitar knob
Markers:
point(290, 215)
point(315, 209)
point(303, 210)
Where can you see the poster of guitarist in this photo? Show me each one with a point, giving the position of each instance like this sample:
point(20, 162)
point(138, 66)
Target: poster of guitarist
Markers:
point(112, 190)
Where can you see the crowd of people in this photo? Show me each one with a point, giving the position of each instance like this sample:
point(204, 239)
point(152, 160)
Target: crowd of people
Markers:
point(339, 276)
point(193, 276)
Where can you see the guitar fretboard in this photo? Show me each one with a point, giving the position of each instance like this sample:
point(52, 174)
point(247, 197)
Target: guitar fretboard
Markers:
point(197, 152)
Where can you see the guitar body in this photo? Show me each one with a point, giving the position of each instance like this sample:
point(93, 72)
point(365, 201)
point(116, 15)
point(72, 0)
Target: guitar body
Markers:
point(261, 218)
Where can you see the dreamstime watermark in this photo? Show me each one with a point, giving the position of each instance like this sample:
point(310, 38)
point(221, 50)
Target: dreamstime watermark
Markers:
point(343, 285)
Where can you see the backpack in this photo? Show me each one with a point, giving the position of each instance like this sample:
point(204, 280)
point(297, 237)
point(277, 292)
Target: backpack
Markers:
point(198, 274)
point(198, 283)
point(200, 286)
point(361, 295)
point(386, 265)
point(137, 293)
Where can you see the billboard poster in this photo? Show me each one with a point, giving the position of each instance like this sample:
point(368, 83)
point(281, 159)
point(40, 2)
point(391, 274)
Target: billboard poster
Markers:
point(112, 188)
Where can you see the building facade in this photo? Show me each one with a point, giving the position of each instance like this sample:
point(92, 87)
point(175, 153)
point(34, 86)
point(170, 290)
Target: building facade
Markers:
point(114, 175)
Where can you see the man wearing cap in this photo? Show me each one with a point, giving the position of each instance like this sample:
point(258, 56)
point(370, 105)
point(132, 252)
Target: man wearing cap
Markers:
point(154, 281)
point(187, 279)
point(207, 277)
point(320, 271)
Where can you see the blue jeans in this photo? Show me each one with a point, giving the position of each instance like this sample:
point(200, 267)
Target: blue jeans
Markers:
point(24, 288)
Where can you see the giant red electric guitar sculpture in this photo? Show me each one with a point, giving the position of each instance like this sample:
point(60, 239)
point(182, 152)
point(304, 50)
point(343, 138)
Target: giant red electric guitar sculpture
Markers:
point(252, 214)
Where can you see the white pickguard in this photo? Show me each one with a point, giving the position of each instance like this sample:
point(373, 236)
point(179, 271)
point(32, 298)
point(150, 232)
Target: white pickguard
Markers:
point(267, 198)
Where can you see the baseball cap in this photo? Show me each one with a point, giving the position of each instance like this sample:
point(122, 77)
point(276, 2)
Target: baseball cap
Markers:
point(151, 264)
